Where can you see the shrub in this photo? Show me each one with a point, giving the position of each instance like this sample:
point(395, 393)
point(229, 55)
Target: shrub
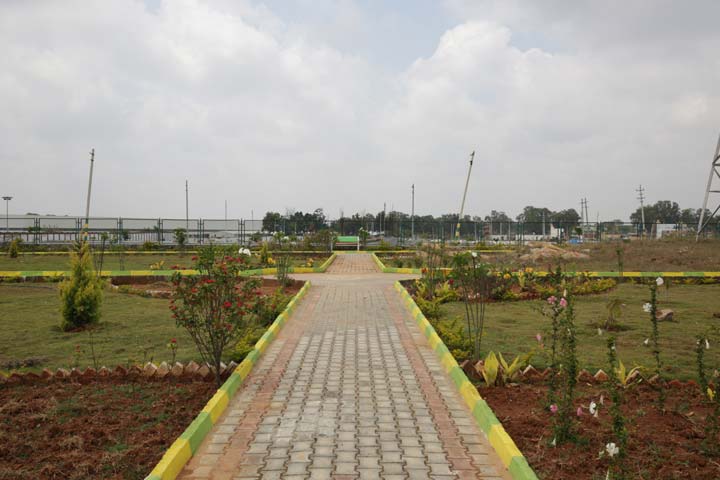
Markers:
point(216, 306)
point(453, 335)
point(81, 295)
point(180, 235)
point(150, 246)
point(14, 247)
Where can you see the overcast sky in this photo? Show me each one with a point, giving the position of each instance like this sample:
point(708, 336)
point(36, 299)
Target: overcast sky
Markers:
point(343, 104)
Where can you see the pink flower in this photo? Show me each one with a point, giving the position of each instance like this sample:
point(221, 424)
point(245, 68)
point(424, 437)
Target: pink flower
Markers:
point(552, 300)
point(579, 412)
point(553, 408)
point(563, 302)
point(538, 337)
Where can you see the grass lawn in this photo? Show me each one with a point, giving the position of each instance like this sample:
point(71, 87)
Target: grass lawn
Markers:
point(671, 255)
point(113, 262)
point(132, 329)
point(511, 327)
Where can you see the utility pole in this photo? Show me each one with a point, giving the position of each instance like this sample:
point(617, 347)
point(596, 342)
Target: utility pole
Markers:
point(412, 215)
point(641, 197)
point(7, 215)
point(714, 172)
point(187, 209)
point(462, 205)
point(87, 205)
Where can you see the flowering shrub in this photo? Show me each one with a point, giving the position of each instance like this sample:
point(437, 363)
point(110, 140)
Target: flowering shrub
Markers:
point(216, 306)
point(617, 450)
point(651, 308)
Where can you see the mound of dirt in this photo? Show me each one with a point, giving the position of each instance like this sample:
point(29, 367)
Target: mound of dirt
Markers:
point(541, 252)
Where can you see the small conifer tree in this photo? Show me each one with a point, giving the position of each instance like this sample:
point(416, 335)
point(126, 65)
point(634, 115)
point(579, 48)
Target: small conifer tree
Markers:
point(81, 295)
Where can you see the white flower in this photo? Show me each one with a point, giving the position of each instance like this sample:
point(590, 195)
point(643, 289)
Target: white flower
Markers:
point(647, 308)
point(593, 408)
point(659, 281)
point(599, 331)
point(707, 344)
point(612, 449)
point(244, 251)
point(474, 254)
point(646, 342)
point(554, 442)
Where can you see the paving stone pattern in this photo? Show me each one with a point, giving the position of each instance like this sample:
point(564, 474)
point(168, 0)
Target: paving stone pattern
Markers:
point(350, 389)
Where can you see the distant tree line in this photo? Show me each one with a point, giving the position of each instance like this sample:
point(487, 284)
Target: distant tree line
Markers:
point(534, 220)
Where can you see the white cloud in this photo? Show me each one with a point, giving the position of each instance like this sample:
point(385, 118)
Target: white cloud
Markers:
point(561, 100)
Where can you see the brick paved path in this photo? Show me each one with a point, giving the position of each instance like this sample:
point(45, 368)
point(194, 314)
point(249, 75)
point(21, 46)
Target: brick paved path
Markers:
point(350, 389)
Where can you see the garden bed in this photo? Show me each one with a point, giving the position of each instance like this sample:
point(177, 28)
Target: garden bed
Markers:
point(109, 428)
point(511, 328)
point(660, 446)
point(152, 287)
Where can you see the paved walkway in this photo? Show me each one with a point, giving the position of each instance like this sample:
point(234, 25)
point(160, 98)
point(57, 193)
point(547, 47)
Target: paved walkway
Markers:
point(349, 389)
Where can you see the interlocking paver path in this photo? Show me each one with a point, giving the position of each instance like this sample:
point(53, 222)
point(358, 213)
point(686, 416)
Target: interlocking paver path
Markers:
point(349, 389)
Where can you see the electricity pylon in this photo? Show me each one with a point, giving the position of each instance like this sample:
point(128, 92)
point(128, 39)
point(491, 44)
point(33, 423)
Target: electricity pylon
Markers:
point(714, 172)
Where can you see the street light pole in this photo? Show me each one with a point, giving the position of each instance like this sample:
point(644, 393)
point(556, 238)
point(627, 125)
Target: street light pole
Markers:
point(7, 215)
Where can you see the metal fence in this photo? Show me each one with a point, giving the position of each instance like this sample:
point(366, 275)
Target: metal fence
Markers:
point(48, 230)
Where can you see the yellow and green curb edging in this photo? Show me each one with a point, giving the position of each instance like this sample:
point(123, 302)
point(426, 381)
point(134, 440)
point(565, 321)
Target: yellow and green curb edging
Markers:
point(188, 443)
point(56, 274)
point(504, 446)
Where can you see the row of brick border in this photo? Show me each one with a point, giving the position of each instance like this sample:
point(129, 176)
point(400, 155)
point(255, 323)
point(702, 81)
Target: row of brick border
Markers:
point(188, 443)
point(50, 274)
point(505, 447)
point(418, 271)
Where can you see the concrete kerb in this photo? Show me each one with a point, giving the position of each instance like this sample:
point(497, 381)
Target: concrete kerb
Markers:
point(188, 443)
point(51, 274)
point(505, 447)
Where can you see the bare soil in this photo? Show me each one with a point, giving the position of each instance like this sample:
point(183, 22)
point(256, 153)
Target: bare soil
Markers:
point(150, 286)
point(661, 445)
point(110, 429)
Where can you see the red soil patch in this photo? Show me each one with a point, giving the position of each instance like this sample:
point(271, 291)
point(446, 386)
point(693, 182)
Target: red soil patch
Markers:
point(111, 429)
point(661, 445)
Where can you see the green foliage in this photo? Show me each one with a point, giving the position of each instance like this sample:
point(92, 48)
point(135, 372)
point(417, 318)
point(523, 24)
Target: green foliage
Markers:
point(180, 235)
point(81, 295)
point(497, 371)
point(475, 283)
point(246, 342)
point(264, 254)
point(614, 308)
point(429, 308)
point(564, 425)
point(149, 246)
point(215, 307)
point(618, 380)
point(14, 247)
point(712, 419)
point(656, 345)
point(283, 261)
point(453, 335)
point(267, 308)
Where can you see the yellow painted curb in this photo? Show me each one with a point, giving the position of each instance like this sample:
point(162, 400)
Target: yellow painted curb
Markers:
point(216, 405)
point(503, 444)
point(469, 394)
point(174, 460)
point(244, 369)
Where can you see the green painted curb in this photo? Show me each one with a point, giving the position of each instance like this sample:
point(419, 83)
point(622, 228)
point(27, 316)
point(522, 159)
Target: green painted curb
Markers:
point(482, 413)
point(196, 431)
